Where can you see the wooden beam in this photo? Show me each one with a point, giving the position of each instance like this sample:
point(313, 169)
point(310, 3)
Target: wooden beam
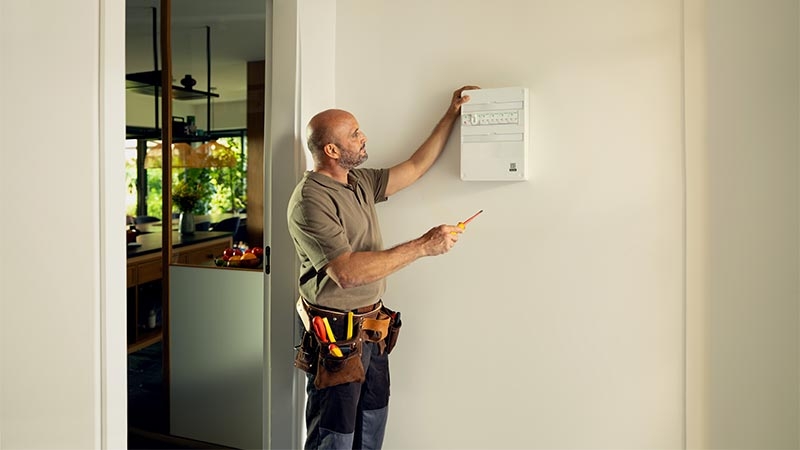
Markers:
point(166, 185)
point(255, 152)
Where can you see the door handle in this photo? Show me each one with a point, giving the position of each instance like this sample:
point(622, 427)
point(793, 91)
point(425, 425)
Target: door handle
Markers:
point(266, 259)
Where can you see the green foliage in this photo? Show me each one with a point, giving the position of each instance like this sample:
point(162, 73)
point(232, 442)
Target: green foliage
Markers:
point(223, 188)
point(186, 194)
point(229, 183)
point(154, 193)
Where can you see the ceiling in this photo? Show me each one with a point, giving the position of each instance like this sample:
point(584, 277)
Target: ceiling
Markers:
point(237, 35)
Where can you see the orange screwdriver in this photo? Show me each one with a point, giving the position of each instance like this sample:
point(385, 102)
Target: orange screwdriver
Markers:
point(463, 225)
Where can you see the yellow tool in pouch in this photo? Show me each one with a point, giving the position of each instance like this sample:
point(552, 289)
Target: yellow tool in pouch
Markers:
point(349, 325)
point(328, 329)
point(335, 350)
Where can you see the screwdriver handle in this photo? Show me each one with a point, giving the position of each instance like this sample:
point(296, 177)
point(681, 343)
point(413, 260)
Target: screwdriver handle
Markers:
point(463, 225)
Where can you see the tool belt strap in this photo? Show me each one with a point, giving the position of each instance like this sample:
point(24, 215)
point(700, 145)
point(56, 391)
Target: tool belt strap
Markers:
point(315, 310)
point(373, 322)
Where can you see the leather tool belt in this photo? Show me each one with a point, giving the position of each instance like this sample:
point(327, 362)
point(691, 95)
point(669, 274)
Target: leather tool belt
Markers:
point(333, 351)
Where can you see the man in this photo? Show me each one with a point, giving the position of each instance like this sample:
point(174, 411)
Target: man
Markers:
point(335, 229)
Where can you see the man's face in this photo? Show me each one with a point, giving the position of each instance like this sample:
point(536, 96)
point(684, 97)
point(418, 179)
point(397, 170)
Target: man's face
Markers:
point(352, 143)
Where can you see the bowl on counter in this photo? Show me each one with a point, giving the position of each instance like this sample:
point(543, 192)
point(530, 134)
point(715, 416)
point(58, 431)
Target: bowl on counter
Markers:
point(247, 263)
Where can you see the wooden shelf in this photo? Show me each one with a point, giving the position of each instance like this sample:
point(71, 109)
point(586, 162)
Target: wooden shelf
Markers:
point(135, 132)
point(146, 339)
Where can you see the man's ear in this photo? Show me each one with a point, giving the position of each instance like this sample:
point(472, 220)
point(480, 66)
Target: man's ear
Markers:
point(331, 151)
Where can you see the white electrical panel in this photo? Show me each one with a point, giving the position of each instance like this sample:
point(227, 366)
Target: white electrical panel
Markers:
point(494, 135)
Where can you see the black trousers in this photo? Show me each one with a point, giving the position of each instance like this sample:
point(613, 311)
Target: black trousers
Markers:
point(351, 415)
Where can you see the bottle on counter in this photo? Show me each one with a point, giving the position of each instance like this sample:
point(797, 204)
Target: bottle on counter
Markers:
point(131, 233)
point(151, 319)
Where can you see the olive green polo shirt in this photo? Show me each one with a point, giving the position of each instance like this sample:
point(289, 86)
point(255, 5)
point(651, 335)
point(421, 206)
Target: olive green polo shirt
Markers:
point(326, 219)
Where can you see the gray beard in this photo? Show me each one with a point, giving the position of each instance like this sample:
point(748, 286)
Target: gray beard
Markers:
point(351, 162)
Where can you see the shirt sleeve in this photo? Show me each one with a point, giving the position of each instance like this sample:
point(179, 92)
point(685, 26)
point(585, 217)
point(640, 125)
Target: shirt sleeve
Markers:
point(318, 231)
point(376, 180)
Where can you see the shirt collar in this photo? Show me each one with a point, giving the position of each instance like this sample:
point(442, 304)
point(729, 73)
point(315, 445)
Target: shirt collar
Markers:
point(330, 182)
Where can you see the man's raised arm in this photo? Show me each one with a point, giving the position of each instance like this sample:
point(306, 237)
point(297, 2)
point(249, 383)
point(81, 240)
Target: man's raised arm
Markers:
point(406, 173)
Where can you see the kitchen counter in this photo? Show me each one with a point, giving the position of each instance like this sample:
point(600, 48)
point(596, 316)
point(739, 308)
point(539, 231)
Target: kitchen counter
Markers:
point(145, 270)
point(210, 219)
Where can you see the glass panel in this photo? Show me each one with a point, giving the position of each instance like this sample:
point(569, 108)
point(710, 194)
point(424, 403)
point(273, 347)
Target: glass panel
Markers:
point(213, 44)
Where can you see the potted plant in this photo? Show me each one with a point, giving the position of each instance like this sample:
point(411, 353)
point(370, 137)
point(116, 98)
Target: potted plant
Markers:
point(185, 197)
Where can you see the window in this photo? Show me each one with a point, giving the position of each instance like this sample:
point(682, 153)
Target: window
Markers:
point(225, 184)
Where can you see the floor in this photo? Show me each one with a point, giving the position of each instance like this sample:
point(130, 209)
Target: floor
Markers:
point(148, 415)
point(143, 440)
point(147, 402)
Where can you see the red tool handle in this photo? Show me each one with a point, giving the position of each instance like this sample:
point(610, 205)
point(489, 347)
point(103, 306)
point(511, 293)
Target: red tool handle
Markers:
point(319, 329)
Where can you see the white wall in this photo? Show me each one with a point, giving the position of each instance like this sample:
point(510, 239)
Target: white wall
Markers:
point(752, 92)
point(62, 115)
point(573, 281)
point(604, 152)
point(697, 201)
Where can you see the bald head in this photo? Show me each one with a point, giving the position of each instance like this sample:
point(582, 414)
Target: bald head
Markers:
point(323, 129)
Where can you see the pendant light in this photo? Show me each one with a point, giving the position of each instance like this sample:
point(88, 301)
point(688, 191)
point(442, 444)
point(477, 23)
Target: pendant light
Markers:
point(184, 156)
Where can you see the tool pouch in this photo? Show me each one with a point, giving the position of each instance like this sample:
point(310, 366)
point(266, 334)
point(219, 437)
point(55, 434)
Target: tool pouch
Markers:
point(381, 326)
point(305, 357)
point(394, 329)
point(334, 370)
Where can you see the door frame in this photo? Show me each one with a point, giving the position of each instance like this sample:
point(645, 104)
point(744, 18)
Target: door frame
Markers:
point(284, 391)
point(113, 349)
point(282, 430)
